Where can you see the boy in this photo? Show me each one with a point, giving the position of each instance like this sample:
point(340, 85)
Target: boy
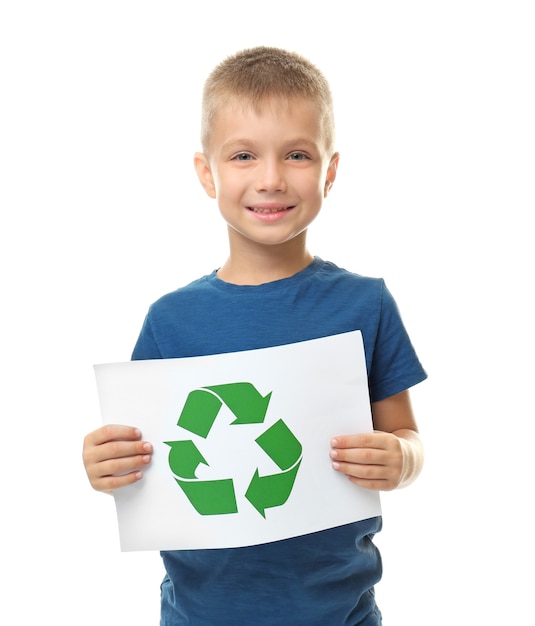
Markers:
point(269, 161)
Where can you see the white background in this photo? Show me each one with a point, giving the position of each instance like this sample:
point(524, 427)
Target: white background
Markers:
point(101, 214)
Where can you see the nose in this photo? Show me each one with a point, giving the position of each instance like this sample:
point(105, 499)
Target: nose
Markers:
point(270, 176)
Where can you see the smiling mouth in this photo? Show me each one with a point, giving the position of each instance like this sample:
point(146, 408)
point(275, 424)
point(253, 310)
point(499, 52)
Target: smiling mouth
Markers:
point(263, 209)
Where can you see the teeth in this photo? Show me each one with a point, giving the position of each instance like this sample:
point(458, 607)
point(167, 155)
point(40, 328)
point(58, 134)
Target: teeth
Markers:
point(257, 210)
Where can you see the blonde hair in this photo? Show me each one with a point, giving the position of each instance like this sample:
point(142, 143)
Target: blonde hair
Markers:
point(259, 74)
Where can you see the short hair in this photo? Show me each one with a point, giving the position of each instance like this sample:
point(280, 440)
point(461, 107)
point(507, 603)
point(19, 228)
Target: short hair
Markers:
point(260, 74)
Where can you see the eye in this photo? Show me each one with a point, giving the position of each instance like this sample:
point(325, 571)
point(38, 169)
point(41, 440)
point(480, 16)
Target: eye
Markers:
point(242, 156)
point(298, 156)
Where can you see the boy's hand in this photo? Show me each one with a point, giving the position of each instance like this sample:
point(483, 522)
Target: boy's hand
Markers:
point(375, 460)
point(113, 456)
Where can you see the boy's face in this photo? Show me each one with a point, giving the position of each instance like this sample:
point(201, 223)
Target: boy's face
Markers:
point(268, 169)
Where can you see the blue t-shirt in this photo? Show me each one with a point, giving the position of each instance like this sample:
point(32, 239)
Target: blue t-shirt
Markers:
point(320, 579)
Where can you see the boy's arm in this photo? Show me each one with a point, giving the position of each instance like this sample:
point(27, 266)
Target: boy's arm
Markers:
point(389, 458)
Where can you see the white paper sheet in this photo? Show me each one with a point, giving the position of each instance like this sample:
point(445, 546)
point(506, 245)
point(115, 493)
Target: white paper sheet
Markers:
point(318, 389)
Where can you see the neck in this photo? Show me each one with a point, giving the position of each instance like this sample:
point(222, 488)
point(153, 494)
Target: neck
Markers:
point(264, 264)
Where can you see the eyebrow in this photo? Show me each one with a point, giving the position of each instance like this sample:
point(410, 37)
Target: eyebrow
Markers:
point(298, 142)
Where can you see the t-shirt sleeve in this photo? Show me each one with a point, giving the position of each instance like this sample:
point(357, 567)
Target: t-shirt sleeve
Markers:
point(146, 346)
point(394, 365)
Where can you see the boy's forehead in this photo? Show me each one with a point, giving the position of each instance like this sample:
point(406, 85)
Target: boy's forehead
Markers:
point(275, 118)
point(234, 114)
point(273, 105)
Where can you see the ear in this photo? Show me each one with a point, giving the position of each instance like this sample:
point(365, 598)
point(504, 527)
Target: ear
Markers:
point(331, 173)
point(204, 173)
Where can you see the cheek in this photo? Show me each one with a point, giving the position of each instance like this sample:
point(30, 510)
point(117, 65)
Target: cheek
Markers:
point(306, 186)
point(229, 185)
point(317, 189)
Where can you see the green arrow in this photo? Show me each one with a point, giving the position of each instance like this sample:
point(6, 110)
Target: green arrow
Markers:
point(211, 497)
point(217, 497)
point(279, 443)
point(269, 491)
point(244, 400)
point(184, 458)
point(199, 412)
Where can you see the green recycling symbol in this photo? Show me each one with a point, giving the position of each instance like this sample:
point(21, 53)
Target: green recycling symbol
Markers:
point(218, 497)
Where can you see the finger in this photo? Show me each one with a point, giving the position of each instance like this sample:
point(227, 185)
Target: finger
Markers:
point(373, 485)
point(109, 484)
point(113, 441)
point(117, 450)
point(360, 456)
point(374, 477)
point(366, 440)
point(111, 474)
point(117, 466)
point(111, 432)
point(365, 472)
